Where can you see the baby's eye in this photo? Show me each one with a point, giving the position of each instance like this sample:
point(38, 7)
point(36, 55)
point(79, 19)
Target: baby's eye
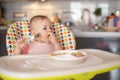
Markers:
point(44, 28)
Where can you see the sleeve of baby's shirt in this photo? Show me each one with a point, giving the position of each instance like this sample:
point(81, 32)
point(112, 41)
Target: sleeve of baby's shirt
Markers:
point(25, 49)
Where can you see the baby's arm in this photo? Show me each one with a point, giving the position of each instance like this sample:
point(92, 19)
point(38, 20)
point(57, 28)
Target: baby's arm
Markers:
point(19, 46)
point(54, 41)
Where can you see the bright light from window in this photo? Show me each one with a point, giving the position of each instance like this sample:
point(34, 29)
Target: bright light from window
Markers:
point(75, 8)
point(42, 0)
point(105, 8)
point(117, 13)
point(78, 7)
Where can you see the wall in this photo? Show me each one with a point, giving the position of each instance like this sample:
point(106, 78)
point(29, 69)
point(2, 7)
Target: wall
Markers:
point(62, 7)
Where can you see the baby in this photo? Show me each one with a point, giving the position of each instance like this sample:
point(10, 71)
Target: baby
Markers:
point(44, 40)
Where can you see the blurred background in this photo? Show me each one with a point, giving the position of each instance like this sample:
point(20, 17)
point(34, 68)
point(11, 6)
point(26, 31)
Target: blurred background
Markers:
point(95, 23)
point(76, 12)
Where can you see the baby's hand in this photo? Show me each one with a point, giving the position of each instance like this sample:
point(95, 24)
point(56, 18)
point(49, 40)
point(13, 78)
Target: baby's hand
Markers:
point(54, 41)
point(19, 46)
point(52, 38)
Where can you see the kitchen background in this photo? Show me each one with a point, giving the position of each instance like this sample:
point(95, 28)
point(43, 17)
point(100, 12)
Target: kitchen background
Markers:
point(78, 15)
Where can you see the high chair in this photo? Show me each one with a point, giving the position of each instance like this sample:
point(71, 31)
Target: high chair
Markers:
point(40, 67)
point(21, 29)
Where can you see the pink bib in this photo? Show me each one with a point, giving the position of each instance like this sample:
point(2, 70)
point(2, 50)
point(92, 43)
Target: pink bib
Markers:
point(38, 48)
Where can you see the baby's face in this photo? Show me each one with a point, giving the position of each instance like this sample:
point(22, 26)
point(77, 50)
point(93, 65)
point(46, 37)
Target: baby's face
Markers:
point(42, 27)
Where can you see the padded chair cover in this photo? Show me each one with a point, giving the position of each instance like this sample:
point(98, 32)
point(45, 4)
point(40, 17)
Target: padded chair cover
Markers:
point(21, 29)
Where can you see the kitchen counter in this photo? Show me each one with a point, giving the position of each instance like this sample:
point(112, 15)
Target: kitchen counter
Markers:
point(97, 34)
point(108, 41)
point(79, 33)
point(3, 27)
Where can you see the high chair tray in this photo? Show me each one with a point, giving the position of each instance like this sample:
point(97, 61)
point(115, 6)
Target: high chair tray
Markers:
point(32, 66)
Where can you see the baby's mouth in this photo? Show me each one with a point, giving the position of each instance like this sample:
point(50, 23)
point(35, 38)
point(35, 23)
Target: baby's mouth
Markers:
point(37, 38)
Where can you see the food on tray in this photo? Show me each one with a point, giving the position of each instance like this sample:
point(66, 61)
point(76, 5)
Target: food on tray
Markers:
point(57, 54)
point(76, 54)
point(68, 57)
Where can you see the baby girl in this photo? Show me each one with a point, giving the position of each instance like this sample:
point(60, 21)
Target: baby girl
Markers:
point(44, 40)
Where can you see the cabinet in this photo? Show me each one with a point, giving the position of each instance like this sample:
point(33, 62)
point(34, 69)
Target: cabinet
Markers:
point(2, 12)
point(3, 50)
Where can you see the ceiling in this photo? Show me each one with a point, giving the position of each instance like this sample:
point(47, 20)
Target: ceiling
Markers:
point(15, 0)
point(56, 0)
point(46, 0)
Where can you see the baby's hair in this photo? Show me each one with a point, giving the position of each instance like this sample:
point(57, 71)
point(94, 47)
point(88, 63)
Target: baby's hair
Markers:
point(39, 17)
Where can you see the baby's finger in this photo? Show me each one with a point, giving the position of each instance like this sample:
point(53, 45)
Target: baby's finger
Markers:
point(22, 40)
point(17, 44)
point(18, 40)
point(21, 45)
point(50, 34)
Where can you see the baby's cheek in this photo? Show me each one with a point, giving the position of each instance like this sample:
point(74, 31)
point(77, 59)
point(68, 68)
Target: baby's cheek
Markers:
point(43, 32)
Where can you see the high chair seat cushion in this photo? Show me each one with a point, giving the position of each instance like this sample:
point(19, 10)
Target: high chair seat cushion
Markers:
point(21, 29)
point(15, 31)
point(64, 36)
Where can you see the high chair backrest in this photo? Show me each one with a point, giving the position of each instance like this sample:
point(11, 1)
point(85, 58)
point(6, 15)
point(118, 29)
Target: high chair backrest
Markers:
point(21, 29)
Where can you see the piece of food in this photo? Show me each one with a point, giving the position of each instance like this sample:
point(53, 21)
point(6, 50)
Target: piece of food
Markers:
point(48, 35)
point(57, 54)
point(77, 54)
